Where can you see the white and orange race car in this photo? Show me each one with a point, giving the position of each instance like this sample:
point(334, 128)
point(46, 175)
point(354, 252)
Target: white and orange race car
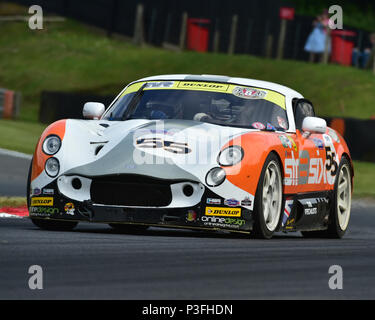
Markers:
point(198, 152)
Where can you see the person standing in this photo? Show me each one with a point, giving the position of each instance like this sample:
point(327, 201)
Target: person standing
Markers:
point(316, 42)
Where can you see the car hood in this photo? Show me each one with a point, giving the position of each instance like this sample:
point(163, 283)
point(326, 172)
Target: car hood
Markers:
point(167, 149)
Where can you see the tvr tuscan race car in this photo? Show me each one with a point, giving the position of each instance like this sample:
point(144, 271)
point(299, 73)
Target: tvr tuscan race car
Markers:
point(199, 152)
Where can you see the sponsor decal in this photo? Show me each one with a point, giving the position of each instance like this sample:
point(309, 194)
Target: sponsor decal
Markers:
point(36, 192)
point(282, 123)
point(318, 143)
point(288, 142)
point(287, 211)
point(226, 212)
point(49, 191)
point(42, 201)
point(306, 170)
point(258, 125)
point(159, 84)
point(332, 133)
point(285, 141)
point(220, 222)
point(203, 86)
point(294, 145)
point(43, 211)
point(246, 202)
point(311, 211)
point(327, 138)
point(191, 216)
point(231, 202)
point(290, 223)
point(213, 201)
point(170, 132)
point(130, 166)
point(69, 208)
point(249, 93)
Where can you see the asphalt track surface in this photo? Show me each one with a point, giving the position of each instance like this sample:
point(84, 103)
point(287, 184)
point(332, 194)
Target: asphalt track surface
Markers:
point(13, 173)
point(94, 262)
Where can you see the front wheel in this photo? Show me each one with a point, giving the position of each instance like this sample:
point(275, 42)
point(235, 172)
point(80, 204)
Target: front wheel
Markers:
point(268, 199)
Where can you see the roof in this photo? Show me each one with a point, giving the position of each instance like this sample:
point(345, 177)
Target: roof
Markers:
point(225, 79)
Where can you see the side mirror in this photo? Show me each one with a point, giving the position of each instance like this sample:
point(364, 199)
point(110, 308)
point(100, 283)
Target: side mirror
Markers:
point(314, 125)
point(93, 110)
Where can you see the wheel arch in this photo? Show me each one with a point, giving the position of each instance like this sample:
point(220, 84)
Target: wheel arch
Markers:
point(347, 156)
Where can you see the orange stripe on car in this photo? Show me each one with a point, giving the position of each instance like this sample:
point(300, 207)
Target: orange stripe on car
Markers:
point(39, 159)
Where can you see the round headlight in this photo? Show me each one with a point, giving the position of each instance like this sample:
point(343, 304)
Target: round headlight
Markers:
point(52, 167)
point(230, 156)
point(51, 145)
point(215, 177)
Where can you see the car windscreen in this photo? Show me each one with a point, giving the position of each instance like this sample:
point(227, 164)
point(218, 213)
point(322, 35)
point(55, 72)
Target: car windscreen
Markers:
point(237, 106)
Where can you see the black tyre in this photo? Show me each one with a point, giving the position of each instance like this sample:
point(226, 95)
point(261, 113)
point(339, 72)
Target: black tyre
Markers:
point(268, 199)
point(128, 228)
point(341, 205)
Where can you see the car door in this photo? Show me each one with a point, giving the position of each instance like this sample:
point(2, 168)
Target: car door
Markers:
point(310, 172)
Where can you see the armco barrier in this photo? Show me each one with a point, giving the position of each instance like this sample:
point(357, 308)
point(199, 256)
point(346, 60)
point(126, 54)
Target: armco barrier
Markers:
point(9, 103)
point(359, 135)
point(62, 105)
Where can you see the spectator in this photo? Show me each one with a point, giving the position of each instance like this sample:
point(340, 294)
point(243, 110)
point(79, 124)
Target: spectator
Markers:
point(316, 42)
point(363, 59)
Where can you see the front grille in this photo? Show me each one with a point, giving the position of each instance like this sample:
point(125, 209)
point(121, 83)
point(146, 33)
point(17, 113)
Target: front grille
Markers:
point(131, 190)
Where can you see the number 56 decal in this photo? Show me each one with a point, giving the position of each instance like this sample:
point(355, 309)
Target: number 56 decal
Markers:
point(170, 146)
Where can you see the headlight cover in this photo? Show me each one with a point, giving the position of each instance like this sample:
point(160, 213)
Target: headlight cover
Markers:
point(215, 177)
point(230, 156)
point(52, 167)
point(51, 145)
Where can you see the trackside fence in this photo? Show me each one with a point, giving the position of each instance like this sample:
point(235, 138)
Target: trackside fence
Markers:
point(359, 134)
point(239, 26)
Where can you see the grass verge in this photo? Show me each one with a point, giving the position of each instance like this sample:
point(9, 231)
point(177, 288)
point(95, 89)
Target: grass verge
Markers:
point(364, 179)
point(12, 201)
point(20, 136)
point(69, 56)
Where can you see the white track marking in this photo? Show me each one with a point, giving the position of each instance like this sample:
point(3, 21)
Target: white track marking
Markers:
point(7, 215)
point(15, 154)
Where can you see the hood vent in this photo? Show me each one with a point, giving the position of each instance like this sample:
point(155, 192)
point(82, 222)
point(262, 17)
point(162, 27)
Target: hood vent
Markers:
point(99, 146)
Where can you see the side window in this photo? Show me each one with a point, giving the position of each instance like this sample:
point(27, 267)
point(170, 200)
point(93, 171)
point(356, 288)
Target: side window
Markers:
point(302, 108)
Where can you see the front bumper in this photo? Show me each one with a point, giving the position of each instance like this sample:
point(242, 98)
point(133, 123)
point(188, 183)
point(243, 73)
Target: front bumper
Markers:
point(209, 213)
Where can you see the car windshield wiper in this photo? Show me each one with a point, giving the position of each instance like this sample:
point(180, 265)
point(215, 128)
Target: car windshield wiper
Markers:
point(134, 102)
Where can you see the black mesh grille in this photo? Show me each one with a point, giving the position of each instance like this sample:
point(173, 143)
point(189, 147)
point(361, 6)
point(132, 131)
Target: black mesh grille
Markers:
point(131, 190)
